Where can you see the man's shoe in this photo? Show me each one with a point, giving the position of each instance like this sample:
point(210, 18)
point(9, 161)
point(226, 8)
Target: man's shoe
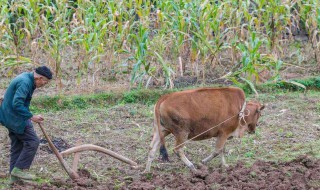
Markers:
point(13, 180)
point(16, 172)
point(16, 180)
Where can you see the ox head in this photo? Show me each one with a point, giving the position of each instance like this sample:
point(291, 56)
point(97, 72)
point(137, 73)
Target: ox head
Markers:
point(253, 112)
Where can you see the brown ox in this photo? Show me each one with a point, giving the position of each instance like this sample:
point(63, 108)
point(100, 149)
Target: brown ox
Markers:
point(202, 114)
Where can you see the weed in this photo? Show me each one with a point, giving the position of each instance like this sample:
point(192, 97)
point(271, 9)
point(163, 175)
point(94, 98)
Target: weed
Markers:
point(289, 134)
point(253, 174)
point(249, 154)
point(149, 176)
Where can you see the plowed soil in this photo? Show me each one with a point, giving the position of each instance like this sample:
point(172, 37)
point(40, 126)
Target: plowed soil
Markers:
point(301, 173)
point(283, 154)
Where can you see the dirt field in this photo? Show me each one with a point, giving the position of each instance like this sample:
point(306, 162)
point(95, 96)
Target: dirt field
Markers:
point(283, 154)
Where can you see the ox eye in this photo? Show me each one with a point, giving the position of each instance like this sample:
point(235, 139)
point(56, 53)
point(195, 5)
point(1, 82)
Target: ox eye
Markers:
point(258, 112)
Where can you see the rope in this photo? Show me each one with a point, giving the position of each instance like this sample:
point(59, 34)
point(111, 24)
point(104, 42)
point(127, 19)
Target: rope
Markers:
point(205, 131)
point(241, 115)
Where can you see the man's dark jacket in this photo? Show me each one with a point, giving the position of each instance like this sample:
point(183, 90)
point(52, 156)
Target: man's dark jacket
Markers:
point(14, 110)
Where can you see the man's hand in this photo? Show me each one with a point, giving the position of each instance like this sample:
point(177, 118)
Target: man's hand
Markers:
point(37, 118)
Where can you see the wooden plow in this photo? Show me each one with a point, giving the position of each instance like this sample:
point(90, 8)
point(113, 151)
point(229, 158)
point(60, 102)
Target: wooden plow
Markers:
point(72, 172)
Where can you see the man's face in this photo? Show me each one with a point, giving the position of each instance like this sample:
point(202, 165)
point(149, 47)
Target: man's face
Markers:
point(41, 81)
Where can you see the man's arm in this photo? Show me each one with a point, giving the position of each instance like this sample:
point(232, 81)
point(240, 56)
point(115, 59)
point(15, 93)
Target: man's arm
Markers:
point(19, 101)
point(19, 104)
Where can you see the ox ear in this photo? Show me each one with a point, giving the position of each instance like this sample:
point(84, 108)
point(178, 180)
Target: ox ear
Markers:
point(261, 108)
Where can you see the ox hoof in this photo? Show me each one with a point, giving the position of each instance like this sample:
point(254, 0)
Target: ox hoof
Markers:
point(146, 171)
point(204, 161)
point(192, 168)
point(224, 165)
point(196, 172)
point(201, 165)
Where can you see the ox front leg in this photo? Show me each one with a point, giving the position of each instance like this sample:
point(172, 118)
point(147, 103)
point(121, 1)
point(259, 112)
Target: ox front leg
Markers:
point(218, 150)
point(223, 160)
point(184, 159)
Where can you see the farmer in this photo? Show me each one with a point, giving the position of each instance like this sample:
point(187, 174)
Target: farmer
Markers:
point(16, 117)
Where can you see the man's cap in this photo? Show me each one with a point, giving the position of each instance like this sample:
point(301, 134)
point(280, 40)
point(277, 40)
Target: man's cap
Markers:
point(44, 71)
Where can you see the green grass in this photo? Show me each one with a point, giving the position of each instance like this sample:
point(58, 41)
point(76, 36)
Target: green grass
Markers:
point(249, 152)
point(277, 139)
point(103, 100)
point(4, 183)
point(149, 97)
point(311, 83)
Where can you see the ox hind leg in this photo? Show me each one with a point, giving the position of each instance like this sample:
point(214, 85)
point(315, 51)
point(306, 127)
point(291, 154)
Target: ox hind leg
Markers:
point(219, 150)
point(180, 140)
point(154, 146)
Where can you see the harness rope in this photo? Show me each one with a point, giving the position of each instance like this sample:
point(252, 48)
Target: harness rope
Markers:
point(241, 116)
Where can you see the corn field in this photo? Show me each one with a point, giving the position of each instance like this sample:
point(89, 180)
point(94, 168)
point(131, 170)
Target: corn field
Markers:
point(158, 39)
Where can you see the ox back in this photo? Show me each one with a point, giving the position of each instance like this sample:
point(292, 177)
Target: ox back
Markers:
point(195, 111)
point(197, 115)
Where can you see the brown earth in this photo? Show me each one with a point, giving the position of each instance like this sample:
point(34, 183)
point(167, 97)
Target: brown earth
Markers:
point(283, 154)
point(301, 173)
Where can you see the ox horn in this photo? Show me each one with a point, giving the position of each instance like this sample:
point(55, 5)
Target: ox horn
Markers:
point(261, 108)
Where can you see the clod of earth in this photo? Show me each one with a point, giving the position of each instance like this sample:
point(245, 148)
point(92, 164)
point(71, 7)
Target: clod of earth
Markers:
point(59, 143)
point(300, 173)
point(3, 175)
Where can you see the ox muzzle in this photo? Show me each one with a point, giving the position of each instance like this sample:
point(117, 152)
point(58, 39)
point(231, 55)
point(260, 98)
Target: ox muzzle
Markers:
point(252, 128)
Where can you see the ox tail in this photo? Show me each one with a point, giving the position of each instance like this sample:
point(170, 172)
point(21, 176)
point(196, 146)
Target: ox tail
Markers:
point(163, 150)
